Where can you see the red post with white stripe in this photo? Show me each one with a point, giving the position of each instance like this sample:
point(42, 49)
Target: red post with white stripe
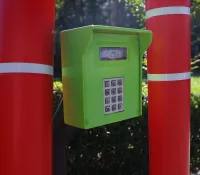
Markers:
point(26, 59)
point(169, 86)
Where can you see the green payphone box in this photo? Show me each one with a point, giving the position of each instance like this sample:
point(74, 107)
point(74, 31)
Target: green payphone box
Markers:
point(102, 74)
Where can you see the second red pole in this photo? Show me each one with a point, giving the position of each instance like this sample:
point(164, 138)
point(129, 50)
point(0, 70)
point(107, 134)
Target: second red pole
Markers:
point(169, 86)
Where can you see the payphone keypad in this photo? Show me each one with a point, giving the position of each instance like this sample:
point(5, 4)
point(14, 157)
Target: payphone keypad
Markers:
point(113, 95)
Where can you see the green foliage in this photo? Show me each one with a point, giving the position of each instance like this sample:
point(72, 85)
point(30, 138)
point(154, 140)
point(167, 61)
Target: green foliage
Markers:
point(195, 82)
point(120, 148)
point(137, 9)
point(194, 63)
point(57, 93)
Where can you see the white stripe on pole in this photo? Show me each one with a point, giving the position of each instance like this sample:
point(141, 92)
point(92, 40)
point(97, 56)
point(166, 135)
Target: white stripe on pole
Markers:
point(26, 68)
point(173, 10)
point(169, 77)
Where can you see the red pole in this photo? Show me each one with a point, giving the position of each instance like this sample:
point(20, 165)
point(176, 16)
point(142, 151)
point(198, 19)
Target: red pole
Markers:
point(26, 59)
point(169, 86)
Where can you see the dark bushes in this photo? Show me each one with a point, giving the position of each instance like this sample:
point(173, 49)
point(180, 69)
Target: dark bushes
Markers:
point(120, 148)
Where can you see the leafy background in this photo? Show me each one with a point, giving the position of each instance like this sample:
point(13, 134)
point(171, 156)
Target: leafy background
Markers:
point(120, 148)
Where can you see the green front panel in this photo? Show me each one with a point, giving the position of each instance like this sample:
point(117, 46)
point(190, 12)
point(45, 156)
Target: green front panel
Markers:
point(96, 70)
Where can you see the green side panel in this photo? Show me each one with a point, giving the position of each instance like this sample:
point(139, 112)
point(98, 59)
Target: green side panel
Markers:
point(73, 45)
point(145, 41)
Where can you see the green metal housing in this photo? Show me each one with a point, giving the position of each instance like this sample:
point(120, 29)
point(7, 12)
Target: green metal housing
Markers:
point(83, 73)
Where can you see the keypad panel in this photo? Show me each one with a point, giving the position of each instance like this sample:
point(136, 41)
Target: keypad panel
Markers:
point(113, 95)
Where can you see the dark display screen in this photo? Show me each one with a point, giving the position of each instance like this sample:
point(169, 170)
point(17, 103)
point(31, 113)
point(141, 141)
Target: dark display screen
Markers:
point(113, 53)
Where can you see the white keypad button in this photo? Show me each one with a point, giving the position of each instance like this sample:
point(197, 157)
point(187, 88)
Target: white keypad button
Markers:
point(106, 83)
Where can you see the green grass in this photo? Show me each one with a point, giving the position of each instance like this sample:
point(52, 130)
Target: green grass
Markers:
point(195, 85)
